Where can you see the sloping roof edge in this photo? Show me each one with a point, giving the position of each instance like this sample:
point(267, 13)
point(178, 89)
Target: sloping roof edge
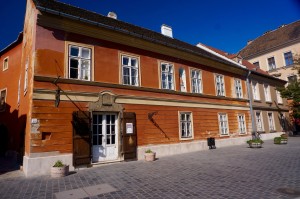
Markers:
point(13, 44)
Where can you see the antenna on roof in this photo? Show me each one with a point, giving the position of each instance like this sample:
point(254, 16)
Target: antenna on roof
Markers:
point(112, 15)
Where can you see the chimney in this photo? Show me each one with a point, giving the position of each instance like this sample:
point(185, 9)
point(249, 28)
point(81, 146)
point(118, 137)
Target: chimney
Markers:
point(166, 30)
point(112, 15)
point(249, 42)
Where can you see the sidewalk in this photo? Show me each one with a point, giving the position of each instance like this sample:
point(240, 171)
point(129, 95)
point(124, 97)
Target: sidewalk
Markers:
point(230, 172)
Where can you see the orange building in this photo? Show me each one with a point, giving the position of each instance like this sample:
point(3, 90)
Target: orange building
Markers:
point(95, 89)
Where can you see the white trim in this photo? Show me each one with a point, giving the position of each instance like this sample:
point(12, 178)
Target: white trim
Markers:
point(192, 126)
point(240, 133)
point(191, 69)
point(6, 58)
point(173, 76)
point(267, 92)
point(131, 56)
point(261, 119)
point(5, 98)
point(235, 79)
point(227, 124)
point(273, 121)
point(224, 87)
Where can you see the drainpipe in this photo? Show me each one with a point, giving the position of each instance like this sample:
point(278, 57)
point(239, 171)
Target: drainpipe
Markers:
point(251, 107)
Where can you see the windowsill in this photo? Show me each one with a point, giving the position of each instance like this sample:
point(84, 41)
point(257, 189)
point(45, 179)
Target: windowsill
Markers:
point(261, 132)
point(227, 135)
point(280, 103)
point(273, 131)
point(257, 100)
point(243, 134)
point(269, 102)
point(186, 139)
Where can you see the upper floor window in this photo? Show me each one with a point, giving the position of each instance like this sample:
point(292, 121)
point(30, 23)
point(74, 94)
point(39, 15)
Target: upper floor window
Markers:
point(223, 124)
point(186, 129)
point(182, 79)
point(5, 64)
point(271, 63)
point(242, 123)
point(255, 91)
point(220, 87)
point(80, 59)
point(267, 93)
point(271, 121)
point(130, 70)
point(292, 78)
point(238, 88)
point(259, 121)
point(288, 57)
point(256, 64)
point(167, 79)
point(279, 98)
point(196, 81)
point(2, 100)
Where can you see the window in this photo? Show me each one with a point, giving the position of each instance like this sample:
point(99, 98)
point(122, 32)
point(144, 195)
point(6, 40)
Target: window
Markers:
point(2, 100)
point(167, 80)
point(256, 64)
point(238, 88)
point(5, 64)
point(220, 85)
point(242, 124)
point(288, 57)
point(182, 80)
point(26, 77)
point(279, 98)
point(271, 63)
point(259, 122)
point(282, 121)
point(267, 93)
point(80, 62)
point(223, 124)
point(186, 131)
point(130, 70)
point(196, 81)
point(255, 91)
point(271, 121)
point(292, 78)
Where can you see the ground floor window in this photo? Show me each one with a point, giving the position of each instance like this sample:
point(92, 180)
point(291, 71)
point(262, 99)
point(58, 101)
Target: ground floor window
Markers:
point(242, 124)
point(271, 121)
point(2, 100)
point(186, 130)
point(223, 124)
point(259, 121)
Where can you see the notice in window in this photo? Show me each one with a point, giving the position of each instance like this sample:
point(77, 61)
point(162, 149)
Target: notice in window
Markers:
point(129, 128)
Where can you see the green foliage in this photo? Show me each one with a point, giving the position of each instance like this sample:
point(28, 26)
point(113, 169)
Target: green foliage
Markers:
point(257, 140)
point(148, 151)
point(277, 140)
point(58, 163)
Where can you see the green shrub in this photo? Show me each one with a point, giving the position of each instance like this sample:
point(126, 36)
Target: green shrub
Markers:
point(58, 163)
point(148, 151)
point(257, 140)
point(277, 140)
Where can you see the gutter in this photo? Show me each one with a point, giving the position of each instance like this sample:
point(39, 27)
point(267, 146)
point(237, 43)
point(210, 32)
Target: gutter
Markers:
point(251, 106)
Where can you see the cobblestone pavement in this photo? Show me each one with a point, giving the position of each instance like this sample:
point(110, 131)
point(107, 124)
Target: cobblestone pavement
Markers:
point(230, 172)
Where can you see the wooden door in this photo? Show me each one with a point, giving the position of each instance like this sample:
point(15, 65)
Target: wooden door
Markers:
point(129, 135)
point(81, 138)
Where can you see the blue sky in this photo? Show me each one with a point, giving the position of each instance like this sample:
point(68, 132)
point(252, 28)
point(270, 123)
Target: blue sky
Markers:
point(226, 25)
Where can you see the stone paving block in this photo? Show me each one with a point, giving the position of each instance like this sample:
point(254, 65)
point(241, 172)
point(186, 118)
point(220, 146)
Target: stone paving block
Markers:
point(99, 189)
point(71, 194)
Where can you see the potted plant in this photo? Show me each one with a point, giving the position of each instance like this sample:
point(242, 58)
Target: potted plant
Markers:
point(59, 169)
point(255, 143)
point(281, 140)
point(149, 155)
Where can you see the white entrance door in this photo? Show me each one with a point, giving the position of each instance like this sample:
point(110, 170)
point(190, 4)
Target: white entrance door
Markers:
point(105, 137)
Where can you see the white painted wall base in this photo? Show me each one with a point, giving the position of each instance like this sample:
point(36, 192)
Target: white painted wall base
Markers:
point(39, 164)
point(186, 147)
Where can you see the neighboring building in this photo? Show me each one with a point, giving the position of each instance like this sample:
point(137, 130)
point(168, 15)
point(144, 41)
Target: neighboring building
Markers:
point(275, 51)
point(270, 112)
point(95, 89)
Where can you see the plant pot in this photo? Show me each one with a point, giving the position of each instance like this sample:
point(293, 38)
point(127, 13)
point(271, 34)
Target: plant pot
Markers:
point(150, 156)
point(59, 171)
point(283, 141)
point(255, 145)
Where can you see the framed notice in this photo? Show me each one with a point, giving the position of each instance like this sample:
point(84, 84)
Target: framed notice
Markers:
point(129, 128)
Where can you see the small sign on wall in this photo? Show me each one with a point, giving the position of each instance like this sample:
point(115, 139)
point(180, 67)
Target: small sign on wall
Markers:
point(129, 128)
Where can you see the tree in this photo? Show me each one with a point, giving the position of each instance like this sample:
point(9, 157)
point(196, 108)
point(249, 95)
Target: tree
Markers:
point(292, 92)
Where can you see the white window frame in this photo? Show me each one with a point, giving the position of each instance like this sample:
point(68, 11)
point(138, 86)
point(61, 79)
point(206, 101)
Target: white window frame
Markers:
point(26, 76)
point(5, 97)
point(220, 85)
point(271, 122)
point(267, 93)
point(168, 76)
point(242, 124)
point(260, 120)
point(285, 64)
point(131, 68)
point(238, 88)
point(186, 124)
point(279, 98)
point(5, 63)
point(273, 65)
point(255, 90)
point(196, 82)
point(258, 65)
point(223, 124)
point(80, 58)
point(282, 120)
